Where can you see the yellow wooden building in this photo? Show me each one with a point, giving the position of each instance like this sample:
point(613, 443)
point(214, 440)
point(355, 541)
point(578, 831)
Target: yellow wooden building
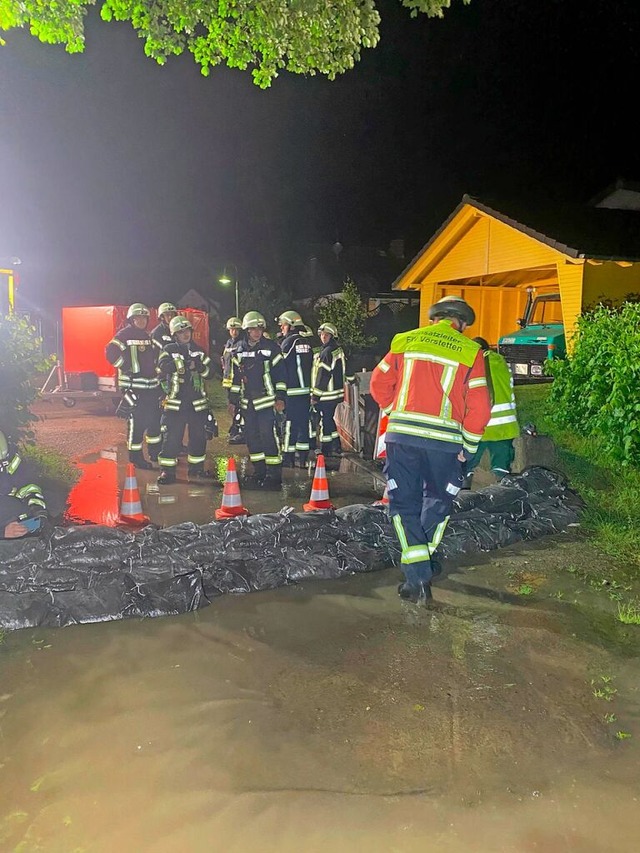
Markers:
point(490, 258)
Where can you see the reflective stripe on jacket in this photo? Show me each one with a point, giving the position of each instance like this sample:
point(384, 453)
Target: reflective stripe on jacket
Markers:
point(182, 383)
point(133, 352)
point(329, 372)
point(504, 420)
point(432, 384)
point(258, 375)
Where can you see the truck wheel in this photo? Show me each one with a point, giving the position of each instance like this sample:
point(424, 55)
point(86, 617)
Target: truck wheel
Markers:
point(69, 402)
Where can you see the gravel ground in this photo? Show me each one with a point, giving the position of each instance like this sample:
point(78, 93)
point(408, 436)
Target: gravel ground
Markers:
point(76, 432)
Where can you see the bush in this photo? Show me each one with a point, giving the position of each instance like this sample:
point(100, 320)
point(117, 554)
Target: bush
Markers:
point(596, 392)
point(21, 361)
point(348, 314)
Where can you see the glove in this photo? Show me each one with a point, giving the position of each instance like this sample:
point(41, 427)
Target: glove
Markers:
point(211, 427)
point(127, 405)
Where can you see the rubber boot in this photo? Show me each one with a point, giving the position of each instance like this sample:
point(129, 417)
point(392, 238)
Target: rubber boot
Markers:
point(466, 483)
point(303, 459)
point(166, 478)
point(289, 460)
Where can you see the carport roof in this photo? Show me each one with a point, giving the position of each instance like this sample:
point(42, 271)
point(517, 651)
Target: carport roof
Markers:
point(577, 231)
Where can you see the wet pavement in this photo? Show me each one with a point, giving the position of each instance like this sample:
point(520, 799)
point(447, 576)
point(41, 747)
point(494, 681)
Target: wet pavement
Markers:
point(331, 716)
point(96, 496)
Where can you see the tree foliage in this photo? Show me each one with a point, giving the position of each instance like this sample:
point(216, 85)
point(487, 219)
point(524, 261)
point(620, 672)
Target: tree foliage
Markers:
point(348, 313)
point(597, 390)
point(301, 36)
point(21, 361)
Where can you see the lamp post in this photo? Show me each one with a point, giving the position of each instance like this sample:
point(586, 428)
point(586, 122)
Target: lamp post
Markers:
point(226, 280)
point(11, 280)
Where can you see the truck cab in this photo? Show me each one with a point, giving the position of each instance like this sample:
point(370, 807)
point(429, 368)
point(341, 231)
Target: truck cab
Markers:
point(540, 338)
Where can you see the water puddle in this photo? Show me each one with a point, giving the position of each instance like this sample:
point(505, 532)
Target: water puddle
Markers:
point(327, 716)
point(96, 496)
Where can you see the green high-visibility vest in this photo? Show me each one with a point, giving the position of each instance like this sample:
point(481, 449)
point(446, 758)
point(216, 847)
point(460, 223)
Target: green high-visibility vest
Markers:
point(503, 423)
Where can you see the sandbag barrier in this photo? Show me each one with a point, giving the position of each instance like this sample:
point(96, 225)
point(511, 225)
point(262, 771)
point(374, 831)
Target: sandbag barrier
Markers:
point(94, 573)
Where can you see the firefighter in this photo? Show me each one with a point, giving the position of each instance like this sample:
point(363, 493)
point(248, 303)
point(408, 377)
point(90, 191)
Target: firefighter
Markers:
point(22, 503)
point(298, 361)
point(234, 327)
point(183, 366)
point(432, 384)
point(503, 425)
point(329, 376)
point(161, 334)
point(133, 352)
point(258, 385)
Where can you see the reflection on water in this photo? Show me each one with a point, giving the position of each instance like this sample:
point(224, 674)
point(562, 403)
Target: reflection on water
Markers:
point(321, 717)
point(94, 498)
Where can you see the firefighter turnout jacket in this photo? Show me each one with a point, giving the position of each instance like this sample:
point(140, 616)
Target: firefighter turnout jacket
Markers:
point(226, 360)
point(329, 373)
point(298, 363)
point(433, 386)
point(134, 354)
point(161, 336)
point(258, 374)
point(183, 369)
point(15, 482)
point(503, 423)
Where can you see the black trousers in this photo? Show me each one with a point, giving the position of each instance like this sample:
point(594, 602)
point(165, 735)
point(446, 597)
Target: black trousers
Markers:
point(329, 440)
point(173, 424)
point(264, 448)
point(296, 429)
point(144, 424)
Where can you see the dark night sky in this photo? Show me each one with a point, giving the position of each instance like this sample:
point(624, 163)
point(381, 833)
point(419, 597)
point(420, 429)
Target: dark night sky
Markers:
point(124, 180)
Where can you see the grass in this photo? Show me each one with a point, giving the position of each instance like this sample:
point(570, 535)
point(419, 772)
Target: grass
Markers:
point(611, 491)
point(603, 688)
point(51, 465)
point(629, 612)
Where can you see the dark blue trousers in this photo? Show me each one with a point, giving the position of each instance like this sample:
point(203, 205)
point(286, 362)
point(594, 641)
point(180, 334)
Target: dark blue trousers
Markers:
point(421, 485)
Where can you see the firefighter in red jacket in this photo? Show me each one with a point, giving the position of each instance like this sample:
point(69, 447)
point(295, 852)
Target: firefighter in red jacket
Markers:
point(133, 352)
point(433, 386)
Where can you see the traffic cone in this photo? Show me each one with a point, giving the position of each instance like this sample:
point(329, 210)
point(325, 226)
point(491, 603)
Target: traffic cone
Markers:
point(131, 506)
point(231, 500)
point(319, 489)
point(384, 500)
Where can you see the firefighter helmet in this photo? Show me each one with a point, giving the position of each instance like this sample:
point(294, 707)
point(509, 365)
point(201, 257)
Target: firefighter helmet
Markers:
point(289, 318)
point(165, 307)
point(179, 324)
point(329, 328)
point(137, 310)
point(234, 323)
point(453, 306)
point(253, 320)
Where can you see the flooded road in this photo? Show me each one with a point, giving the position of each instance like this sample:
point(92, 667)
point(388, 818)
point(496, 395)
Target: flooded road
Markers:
point(330, 716)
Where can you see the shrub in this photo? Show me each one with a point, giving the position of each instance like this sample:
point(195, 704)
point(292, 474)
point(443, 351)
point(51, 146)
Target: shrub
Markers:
point(348, 313)
point(597, 390)
point(21, 361)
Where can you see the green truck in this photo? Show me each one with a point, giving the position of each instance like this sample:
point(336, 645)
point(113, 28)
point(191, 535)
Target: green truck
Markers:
point(539, 338)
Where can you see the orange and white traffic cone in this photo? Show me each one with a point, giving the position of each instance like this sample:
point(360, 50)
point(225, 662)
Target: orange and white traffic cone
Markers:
point(231, 501)
point(319, 489)
point(131, 506)
point(384, 500)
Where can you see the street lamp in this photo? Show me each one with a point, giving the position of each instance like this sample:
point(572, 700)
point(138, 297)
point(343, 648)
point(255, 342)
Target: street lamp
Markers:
point(226, 280)
point(11, 280)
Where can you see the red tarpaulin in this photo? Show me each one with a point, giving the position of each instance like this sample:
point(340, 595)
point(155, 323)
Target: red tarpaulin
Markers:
point(87, 331)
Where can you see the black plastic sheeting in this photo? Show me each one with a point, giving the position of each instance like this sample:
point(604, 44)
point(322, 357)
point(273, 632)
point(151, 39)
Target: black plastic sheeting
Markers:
point(95, 573)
